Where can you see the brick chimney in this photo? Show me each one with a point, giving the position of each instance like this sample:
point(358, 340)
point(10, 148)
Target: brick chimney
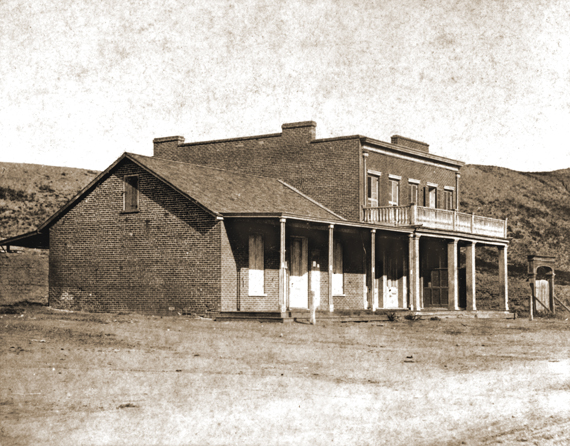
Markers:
point(167, 147)
point(299, 132)
point(410, 143)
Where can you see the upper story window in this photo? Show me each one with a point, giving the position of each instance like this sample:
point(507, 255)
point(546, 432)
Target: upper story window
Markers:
point(431, 195)
point(131, 194)
point(394, 190)
point(373, 189)
point(448, 202)
point(414, 186)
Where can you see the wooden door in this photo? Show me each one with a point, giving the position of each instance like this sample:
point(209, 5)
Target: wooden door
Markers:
point(391, 290)
point(299, 276)
point(436, 293)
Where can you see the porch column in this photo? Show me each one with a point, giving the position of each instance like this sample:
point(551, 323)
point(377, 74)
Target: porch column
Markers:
point(551, 291)
point(414, 272)
point(452, 276)
point(331, 262)
point(457, 176)
point(503, 279)
point(470, 276)
point(371, 289)
point(282, 268)
point(364, 187)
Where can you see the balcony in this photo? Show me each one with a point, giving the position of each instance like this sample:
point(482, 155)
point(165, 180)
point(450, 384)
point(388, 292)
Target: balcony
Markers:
point(432, 218)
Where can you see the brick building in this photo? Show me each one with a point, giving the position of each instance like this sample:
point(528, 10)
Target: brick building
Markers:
point(268, 225)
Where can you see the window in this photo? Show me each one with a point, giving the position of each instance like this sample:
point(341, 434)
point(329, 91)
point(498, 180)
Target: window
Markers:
point(373, 190)
point(430, 196)
point(131, 194)
point(338, 270)
point(394, 192)
point(256, 266)
point(448, 199)
point(413, 193)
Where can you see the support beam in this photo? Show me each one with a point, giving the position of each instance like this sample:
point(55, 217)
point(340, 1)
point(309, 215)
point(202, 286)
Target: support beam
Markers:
point(452, 276)
point(551, 292)
point(282, 268)
point(372, 287)
point(504, 280)
point(414, 272)
point(470, 276)
point(331, 263)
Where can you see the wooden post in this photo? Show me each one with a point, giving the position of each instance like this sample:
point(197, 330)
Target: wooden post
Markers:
point(452, 276)
point(413, 214)
point(364, 188)
point(503, 279)
point(371, 301)
point(531, 300)
point(331, 263)
point(282, 268)
point(414, 271)
point(470, 273)
point(457, 176)
point(551, 292)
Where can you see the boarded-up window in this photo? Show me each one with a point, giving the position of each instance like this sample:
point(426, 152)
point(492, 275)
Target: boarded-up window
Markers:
point(432, 197)
point(372, 191)
point(413, 193)
point(448, 197)
point(256, 266)
point(131, 198)
point(394, 192)
point(338, 270)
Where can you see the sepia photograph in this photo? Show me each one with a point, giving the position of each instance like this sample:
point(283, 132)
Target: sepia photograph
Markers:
point(258, 222)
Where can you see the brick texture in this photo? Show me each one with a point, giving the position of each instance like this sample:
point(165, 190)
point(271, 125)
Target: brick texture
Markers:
point(326, 170)
point(163, 259)
point(409, 169)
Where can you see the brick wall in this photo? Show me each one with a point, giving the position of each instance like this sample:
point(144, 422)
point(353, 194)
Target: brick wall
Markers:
point(326, 170)
point(23, 276)
point(408, 169)
point(163, 259)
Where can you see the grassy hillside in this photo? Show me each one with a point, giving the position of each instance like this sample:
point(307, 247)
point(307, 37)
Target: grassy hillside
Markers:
point(31, 193)
point(537, 206)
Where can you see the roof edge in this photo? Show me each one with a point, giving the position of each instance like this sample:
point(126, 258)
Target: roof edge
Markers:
point(311, 200)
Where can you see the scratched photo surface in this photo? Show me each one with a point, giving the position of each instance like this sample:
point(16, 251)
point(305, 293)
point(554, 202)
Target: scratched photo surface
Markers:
point(356, 272)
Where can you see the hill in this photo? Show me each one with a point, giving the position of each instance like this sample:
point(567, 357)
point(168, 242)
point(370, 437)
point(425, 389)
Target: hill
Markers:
point(31, 193)
point(537, 206)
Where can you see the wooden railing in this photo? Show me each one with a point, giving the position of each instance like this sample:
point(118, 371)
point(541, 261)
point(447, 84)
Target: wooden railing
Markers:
point(436, 219)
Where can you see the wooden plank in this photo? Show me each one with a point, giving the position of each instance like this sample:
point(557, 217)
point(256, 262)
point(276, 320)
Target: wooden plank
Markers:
point(565, 307)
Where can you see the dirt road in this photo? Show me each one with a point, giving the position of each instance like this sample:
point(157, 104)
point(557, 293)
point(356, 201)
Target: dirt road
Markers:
point(77, 378)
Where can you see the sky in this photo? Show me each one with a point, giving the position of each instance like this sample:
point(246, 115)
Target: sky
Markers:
point(482, 81)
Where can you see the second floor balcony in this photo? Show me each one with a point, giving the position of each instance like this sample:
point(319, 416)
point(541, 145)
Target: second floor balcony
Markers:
point(433, 218)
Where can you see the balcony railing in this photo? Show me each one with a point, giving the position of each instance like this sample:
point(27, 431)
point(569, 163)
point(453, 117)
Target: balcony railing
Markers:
point(436, 219)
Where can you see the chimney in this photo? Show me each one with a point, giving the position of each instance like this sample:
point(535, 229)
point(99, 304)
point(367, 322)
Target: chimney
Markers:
point(410, 143)
point(299, 132)
point(167, 147)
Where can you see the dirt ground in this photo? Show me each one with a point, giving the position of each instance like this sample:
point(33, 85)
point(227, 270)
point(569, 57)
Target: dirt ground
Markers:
point(81, 379)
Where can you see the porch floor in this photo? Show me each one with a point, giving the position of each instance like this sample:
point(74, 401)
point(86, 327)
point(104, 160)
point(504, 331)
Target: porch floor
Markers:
point(303, 316)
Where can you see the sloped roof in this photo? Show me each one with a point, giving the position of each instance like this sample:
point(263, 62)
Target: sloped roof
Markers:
point(227, 192)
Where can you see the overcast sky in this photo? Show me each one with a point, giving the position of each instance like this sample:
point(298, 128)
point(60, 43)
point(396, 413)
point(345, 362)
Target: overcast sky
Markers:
point(483, 81)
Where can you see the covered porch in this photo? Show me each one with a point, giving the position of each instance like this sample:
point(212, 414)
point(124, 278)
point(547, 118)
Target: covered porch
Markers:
point(284, 266)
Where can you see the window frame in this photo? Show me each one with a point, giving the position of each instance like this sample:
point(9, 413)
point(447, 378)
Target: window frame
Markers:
point(131, 194)
point(370, 201)
point(449, 198)
point(338, 269)
point(256, 276)
point(414, 189)
point(394, 181)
